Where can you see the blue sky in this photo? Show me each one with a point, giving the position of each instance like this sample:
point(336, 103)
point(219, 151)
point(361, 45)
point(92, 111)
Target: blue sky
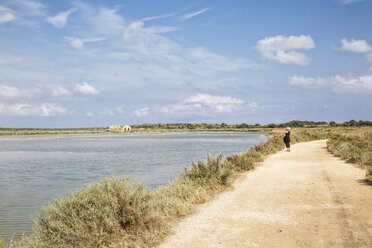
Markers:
point(98, 63)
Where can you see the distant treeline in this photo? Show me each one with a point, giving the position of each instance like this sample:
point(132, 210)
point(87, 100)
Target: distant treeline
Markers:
point(200, 126)
point(294, 123)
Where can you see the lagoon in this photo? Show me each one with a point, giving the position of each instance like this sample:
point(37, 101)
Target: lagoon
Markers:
point(34, 170)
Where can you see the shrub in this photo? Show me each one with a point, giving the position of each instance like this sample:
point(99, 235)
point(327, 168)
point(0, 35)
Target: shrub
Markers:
point(2, 243)
point(210, 173)
point(242, 162)
point(100, 214)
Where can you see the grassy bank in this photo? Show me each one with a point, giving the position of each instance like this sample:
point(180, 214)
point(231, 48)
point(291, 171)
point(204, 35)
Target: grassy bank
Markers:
point(354, 146)
point(117, 212)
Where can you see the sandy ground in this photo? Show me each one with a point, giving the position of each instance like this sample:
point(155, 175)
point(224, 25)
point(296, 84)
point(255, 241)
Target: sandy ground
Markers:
point(302, 198)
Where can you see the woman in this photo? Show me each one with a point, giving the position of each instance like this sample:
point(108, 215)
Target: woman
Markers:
point(287, 138)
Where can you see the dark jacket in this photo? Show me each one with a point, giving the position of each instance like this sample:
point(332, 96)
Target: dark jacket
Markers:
point(287, 137)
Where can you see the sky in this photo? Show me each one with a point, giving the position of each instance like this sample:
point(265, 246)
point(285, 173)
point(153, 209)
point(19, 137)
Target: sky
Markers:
point(99, 63)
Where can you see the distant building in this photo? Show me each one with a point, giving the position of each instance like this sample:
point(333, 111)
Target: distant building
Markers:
point(119, 129)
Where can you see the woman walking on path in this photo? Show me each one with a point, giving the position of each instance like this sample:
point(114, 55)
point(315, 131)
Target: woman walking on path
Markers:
point(287, 138)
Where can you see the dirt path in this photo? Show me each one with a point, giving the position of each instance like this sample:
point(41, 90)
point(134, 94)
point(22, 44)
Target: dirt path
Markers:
point(305, 198)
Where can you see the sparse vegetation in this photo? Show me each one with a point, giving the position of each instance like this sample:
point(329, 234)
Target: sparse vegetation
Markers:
point(120, 213)
point(2, 243)
point(354, 146)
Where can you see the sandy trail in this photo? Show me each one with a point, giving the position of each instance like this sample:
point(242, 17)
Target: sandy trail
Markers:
point(303, 198)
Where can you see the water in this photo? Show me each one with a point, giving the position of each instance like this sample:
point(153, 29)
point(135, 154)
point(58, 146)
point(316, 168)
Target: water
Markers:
point(36, 170)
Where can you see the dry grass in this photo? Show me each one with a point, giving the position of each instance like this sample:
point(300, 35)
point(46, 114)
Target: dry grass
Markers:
point(354, 146)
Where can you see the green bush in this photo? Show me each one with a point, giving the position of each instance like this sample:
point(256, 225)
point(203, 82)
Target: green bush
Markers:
point(2, 243)
point(110, 211)
point(211, 173)
point(242, 162)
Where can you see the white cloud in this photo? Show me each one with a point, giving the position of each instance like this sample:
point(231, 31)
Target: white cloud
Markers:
point(89, 114)
point(108, 21)
point(30, 7)
point(6, 15)
point(60, 19)
point(151, 56)
point(345, 2)
point(212, 100)
point(190, 15)
point(141, 112)
point(60, 91)
point(309, 82)
point(283, 49)
point(25, 109)
point(86, 89)
point(143, 40)
point(157, 17)
point(22, 12)
point(358, 46)
point(218, 103)
point(12, 92)
point(205, 104)
point(168, 64)
point(103, 21)
point(201, 59)
point(340, 84)
point(78, 44)
point(12, 60)
point(161, 29)
point(145, 54)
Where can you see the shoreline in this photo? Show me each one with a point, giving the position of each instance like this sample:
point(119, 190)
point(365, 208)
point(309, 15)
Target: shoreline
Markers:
point(55, 133)
point(266, 134)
